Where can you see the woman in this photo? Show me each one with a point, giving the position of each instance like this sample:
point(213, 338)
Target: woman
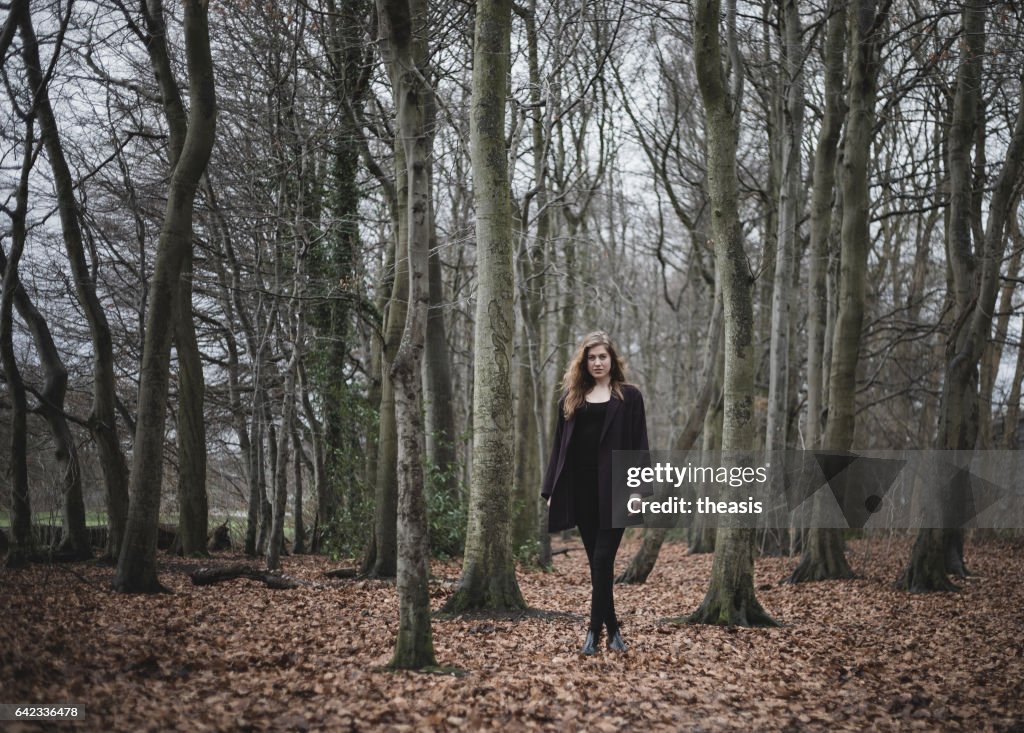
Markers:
point(598, 413)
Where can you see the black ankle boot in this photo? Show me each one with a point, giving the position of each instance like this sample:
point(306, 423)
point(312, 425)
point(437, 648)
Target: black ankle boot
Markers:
point(615, 642)
point(590, 645)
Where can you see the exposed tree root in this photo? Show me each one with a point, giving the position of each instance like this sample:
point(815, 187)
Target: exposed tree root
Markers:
point(494, 599)
point(918, 578)
point(742, 611)
point(823, 558)
point(811, 570)
point(926, 571)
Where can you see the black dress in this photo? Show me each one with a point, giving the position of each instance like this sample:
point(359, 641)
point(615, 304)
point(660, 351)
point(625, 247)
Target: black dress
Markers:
point(583, 447)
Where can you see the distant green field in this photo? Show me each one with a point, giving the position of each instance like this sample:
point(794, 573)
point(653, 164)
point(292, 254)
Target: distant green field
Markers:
point(92, 519)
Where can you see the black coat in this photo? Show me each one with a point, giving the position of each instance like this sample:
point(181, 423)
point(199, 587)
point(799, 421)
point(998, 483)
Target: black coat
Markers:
point(625, 428)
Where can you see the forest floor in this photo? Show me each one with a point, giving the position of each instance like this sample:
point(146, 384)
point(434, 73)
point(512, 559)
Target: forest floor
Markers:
point(850, 655)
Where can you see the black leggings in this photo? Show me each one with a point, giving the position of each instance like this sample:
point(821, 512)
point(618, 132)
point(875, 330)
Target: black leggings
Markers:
point(601, 545)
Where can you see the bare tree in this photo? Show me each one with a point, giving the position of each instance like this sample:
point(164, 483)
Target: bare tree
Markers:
point(404, 32)
point(824, 553)
point(730, 597)
point(74, 544)
point(136, 567)
point(974, 284)
point(488, 571)
point(822, 191)
point(789, 208)
point(21, 515)
point(103, 420)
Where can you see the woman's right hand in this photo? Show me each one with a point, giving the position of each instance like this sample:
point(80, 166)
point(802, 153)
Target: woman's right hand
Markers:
point(549, 502)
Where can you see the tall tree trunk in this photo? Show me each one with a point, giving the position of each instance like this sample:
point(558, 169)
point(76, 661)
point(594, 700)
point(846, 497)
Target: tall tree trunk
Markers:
point(21, 507)
point(488, 571)
point(403, 34)
point(1012, 420)
point(927, 569)
point(824, 553)
point(254, 461)
point(790, 110)
point(993, 354)
point(193, 511)
point(268, 455)
point(532, 299)
point(74, 544)
point(975, 286)
point(527, 460)
point(275, 543)
point(299, 545)
point(103, 417)
point(136, 567)
point(790, 185)
point(324, 505)
point(335, 257)
point(438, 376)
point(730, 597)
point(381, 560)
point(822, 194)
point(702, 536)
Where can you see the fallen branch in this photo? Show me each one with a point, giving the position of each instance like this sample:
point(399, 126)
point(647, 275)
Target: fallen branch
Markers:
point(209, 576)
point(341, 573)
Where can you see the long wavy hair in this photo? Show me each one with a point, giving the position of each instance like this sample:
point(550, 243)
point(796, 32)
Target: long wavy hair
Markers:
point(577, 380)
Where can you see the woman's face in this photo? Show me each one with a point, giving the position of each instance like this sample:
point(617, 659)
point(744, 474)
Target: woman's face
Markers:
point(599, 362)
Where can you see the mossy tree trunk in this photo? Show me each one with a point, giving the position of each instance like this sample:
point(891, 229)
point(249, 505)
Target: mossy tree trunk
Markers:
point(702, 538)
point(730, 598)
point(488, 572)
point(993, 354)
point(823, 557)
point(781, 373)
point(336, 479)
